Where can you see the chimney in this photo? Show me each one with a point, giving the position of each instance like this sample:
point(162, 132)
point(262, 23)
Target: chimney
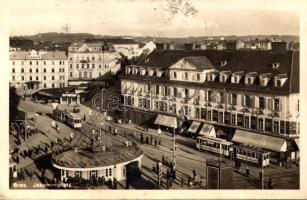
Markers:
point(279, 47)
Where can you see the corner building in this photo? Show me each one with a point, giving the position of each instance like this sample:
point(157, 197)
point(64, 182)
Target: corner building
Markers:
point(249, 90)
point(38, 69)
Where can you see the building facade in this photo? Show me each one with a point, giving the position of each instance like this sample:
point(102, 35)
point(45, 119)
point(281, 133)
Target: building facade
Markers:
point(91, 60)
point(38, 69)
point(257, 91)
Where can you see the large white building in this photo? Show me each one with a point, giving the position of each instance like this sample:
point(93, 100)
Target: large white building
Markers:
point(255, 91)
point(88, 61)
point(38, 69)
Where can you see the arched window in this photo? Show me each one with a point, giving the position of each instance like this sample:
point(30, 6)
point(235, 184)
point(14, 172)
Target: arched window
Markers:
point(85, 74)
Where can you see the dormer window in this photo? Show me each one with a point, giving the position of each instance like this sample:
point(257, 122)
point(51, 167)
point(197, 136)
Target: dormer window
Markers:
point(223, 63)
point(128, 70)
point(279, 80)
point(211, 76)
point(236, 77)
point(224, 76)
point(250, 78)
point(264, 79)
point(275, 65)
point(150, 72)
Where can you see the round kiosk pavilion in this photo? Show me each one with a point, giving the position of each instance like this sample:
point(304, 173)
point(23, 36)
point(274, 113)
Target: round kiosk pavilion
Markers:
point(117, 162)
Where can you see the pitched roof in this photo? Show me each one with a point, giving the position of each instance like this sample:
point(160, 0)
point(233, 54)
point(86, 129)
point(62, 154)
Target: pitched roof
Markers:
point(200, 62)
point(54, 55)
point(50, 55)
point(241, 60)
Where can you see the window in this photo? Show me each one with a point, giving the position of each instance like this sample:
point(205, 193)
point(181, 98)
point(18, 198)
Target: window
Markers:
point(22, 62)
point(53, 78)
point(30, 62)
point(198, 77)
point(82, 65)
point(36, 70)
point(22, 78)
point(93, 66)
point(52, 62)
point(45, 85)
point(22, 70)
point(233, 119)
point(278, 83)
point(52, 85)
point(246, 101)
point(209, 114)
point(99, 66)
point(276, 126)
point(186, 76)
point(233, 100)
point(110, 172)
point(85, 74)
point(80, 74)
point(107, 172)
point(13, 78)
point(186, 92)
point(52, 70)
point(90, 74)
point(70, 66)
point(30, 78)
point(88, 66)
point(175, 75)
point(44, 70)
point(44, 78)
point(175, 92)
point(13, 70)
point(30, 70)
point(44, 62)
point(157, 89)
point(36, 62)
point(221, 117)
point(93, 174)
point(261, 102)
point(13, 62)
point(246, 121)
point(276, 104)
point(37, 78)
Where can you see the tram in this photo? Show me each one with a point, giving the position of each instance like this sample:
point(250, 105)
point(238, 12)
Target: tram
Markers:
point(252, 154)
point(240, 152)
point(216, 145)
point(68, 118)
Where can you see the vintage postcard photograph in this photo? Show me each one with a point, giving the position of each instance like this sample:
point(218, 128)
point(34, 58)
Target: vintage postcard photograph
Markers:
point(152, 99)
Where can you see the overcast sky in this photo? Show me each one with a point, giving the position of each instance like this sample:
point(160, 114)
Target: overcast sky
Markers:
point(154, 17)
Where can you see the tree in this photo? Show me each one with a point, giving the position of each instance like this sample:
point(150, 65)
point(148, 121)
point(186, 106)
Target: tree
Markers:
point(14, 102)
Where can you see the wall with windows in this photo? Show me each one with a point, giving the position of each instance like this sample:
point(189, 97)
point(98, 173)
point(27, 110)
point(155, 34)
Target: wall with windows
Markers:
point(263, 112)
point(48, 73)
point(88, 65)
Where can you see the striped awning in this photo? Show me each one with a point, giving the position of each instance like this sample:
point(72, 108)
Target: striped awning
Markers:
point(207, 130)
point(167, 121)
point(259, 140)
point(194, 126)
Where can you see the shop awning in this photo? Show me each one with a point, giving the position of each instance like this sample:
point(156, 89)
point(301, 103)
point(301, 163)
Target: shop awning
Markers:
point(207, 130)
point(259, 140)
point(194, 126)
point(167, 121)
point(297, 142)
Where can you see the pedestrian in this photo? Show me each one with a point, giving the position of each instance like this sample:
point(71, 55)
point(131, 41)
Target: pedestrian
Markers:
point(194, 174)
point(270, 183)
point(163, 159)
point(189, 181)
point(182, 181)
point(153, 168)
point(247, 172)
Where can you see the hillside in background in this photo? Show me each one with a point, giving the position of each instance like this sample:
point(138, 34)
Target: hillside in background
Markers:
point(77, 37)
